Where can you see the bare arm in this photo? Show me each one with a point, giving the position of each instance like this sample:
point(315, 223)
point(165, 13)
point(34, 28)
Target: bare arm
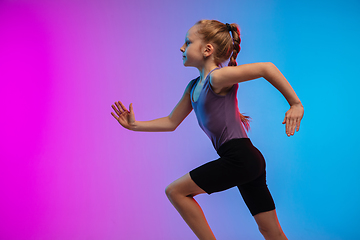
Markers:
point(277, 79)
point(169, 123)
point(229, 76)
point(295, 114)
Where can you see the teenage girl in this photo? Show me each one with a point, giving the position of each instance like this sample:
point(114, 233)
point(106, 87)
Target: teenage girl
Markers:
point(212, 95)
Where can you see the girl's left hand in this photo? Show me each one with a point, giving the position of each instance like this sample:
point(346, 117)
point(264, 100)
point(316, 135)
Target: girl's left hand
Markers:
point(292, 118)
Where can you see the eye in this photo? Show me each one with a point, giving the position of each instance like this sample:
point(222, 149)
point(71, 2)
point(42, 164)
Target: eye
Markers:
point(187, 42)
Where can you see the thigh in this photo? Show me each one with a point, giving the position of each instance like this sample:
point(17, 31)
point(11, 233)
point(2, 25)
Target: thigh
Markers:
point(184, 186)
point(237, 167)
point(257, 196)
point(215, 176)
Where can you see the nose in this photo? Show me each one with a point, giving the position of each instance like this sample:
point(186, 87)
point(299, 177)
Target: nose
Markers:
point(182, 49)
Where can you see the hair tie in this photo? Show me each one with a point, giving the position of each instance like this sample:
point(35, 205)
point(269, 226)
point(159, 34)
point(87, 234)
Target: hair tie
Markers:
point(228, 27)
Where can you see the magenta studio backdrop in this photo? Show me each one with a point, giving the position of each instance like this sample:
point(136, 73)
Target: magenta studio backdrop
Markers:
point(70, 171)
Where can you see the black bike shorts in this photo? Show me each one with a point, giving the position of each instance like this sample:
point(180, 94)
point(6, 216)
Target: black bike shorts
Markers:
point(242, 165)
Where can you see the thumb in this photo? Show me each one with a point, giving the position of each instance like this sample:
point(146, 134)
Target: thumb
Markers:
point(131, 108)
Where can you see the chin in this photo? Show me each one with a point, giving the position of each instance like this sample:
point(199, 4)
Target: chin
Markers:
point(187, 64)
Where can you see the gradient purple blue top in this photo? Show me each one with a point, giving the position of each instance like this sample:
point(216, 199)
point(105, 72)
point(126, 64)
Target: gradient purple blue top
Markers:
point(218, 115)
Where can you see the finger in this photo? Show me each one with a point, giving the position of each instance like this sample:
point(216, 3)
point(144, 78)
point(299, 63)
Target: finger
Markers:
point(287, 126)
point(293, 129)
point(116, 110)
point(123, 107)
point(292, 126)
point(298, 125)
point(113, 114)
point(120, 109)
point(131, 109)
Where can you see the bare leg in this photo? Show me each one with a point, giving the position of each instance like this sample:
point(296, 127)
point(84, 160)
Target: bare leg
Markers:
point(269, 226)
point(181, 193)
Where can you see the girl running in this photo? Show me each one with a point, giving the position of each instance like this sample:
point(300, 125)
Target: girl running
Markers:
point(208, 44)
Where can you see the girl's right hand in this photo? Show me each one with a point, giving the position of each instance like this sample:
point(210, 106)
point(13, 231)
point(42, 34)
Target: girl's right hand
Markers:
point(123, 116)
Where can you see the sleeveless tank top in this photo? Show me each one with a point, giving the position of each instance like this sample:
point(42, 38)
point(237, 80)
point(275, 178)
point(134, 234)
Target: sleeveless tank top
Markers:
point(218, 116)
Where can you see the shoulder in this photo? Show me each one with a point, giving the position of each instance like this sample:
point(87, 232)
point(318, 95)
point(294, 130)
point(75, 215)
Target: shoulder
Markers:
point(190, 85)
point(219, 89)
point(217, 76)
point(216, 71)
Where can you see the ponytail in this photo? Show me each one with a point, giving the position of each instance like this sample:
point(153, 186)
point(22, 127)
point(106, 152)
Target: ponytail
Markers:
point(234, 30)
point(245, 121)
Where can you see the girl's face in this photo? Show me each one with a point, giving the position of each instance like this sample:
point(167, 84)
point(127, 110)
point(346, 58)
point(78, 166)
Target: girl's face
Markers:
point(193, 49)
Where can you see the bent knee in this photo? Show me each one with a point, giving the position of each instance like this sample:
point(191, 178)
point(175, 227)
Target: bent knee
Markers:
point(172, 193)
point(170, 190)
point(183, 187)
point(174, 190)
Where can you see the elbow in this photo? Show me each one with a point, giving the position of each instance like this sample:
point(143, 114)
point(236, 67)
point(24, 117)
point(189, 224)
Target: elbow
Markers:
point(269, 64)
point(171, 124)
point(174, 127)
point(268, 67)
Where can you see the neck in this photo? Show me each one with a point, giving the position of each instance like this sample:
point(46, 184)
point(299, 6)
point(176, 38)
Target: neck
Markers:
point(204, 70)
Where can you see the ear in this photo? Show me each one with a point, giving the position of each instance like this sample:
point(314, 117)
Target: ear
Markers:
point(209, 50)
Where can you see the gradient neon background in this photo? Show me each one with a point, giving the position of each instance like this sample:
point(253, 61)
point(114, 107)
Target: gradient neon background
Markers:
point(69, 171)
